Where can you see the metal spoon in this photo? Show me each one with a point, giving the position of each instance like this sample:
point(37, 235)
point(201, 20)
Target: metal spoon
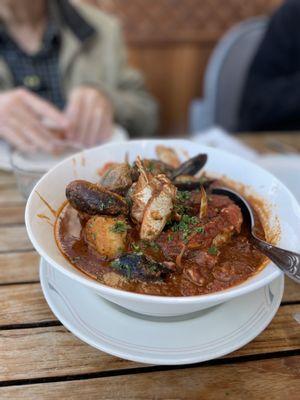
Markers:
point(287, 261)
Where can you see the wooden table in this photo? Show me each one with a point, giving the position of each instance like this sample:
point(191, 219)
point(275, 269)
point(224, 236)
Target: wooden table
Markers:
point(40, 359)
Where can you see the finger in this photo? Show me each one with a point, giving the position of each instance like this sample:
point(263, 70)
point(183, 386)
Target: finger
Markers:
point(107, 127)
point(44, 109)
point(102, 127)
point(95, 127)
point(17, 140)
point(72, 113)
point(29, 125)
point(89, 106)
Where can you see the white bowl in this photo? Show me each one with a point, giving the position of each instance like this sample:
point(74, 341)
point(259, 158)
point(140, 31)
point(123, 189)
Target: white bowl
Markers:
point(51, 187)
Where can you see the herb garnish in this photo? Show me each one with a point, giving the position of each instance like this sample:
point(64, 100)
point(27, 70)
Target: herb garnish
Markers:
point(150, 166)
point(199, 229)
point(120, 227)
point(213, 251)
point(183, 195)
point(185, 226)
point(136, 248)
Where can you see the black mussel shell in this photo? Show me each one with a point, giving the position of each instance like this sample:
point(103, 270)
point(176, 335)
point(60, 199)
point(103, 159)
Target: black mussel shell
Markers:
point(190, 167)
point(93, 199)
point(139, 267)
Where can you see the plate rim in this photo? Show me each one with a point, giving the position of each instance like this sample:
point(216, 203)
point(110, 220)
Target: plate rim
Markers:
point(149, 359)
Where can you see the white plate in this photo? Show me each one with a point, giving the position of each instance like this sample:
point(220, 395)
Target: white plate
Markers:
point(119, 135)
point(195, 338)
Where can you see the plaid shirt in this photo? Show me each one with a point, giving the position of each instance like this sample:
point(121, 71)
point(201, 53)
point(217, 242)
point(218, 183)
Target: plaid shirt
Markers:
point(40, 72)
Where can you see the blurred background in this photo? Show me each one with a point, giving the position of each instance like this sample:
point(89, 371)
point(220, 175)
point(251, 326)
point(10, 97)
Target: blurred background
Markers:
point(225, 74)
point(171, 42)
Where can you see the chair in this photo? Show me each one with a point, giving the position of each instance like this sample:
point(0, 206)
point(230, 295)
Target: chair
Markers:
point(225, 76)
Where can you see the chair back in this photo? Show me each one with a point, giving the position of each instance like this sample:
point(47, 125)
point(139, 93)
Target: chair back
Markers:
point(227, 71)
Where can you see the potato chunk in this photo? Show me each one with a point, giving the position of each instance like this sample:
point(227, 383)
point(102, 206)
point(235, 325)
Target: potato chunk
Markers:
point(107, 235)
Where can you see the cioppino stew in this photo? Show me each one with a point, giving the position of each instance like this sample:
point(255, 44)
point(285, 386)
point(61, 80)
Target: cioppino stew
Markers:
point(156, 227)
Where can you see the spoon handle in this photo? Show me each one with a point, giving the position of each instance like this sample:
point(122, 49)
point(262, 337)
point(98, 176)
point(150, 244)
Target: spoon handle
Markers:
point(287, 261)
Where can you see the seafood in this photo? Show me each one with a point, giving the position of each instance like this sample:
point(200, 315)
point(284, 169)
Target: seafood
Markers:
point(168, 156)
point(190, 167)
point(118, 178)
point(94, 199)
point(135, 266)
point(157, 227)
point(152, 202)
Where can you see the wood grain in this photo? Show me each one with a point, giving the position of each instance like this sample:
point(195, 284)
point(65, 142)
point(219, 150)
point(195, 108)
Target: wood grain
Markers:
point(6, 177)
point(50, 351)
point(291, 291)
point(180, 21)
point(23, 304)
point(10, 196)
point(11, 215)
point(53, 351)
point(274, 379)
point(179, 71)
point(19, 267)
point(14, 238)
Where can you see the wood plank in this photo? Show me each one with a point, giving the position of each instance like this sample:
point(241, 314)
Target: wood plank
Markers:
point(14, 238)
point(291, 290)
point(262, 141)
point(26, 304)
point(53, 351)
point(19, 267)
point(50, 351)
point(7, 177)
point(21, 304)
point(9, 195)
point(262, 379)
point(12, 214)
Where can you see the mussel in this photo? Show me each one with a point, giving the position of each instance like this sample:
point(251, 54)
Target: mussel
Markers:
point(94, 199)
point(190, 167)
point(139, 267)
point(192, 183)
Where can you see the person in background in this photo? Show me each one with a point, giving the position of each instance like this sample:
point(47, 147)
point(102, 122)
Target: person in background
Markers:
point(63, 70)
point(271, 97)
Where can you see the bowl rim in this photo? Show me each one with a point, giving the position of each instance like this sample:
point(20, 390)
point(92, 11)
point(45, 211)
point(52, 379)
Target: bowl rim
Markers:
point(221, 296)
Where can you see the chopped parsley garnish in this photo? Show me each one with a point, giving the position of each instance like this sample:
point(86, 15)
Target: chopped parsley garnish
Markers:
point(170, 238)
point(150, 166)
point(182, 209)
point(120, 227)
point(184, 224)
point(136, 248)
point(213, 251)
point(183, 195)
point(199, 229)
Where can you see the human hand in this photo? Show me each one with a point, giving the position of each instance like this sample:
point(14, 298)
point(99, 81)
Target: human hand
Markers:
point(90, 115)
point(21, 121)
